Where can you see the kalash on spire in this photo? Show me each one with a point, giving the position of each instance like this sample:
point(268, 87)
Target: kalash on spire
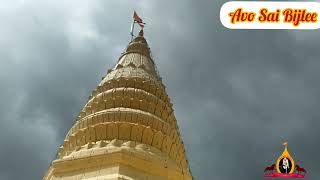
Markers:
point(127, 129)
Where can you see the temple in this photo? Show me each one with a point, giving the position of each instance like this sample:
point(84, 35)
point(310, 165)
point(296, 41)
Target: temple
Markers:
point(127, 129)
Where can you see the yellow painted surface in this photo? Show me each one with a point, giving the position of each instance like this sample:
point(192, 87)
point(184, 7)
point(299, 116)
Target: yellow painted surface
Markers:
point(126, 130)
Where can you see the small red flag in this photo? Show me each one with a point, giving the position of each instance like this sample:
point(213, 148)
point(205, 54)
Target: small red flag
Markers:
point(138, 19)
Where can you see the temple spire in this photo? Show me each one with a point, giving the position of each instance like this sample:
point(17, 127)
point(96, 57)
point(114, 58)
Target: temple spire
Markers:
point(126, 129)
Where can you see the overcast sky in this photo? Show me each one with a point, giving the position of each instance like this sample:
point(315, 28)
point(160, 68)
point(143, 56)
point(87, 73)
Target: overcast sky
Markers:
point(237, 94)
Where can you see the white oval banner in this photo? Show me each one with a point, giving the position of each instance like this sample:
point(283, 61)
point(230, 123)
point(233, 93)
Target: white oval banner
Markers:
point(270, 15)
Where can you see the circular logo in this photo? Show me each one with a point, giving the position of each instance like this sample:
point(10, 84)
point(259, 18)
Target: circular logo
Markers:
point(285, 165)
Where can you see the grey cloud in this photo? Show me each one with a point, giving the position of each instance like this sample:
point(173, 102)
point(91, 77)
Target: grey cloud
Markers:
point(237, 94)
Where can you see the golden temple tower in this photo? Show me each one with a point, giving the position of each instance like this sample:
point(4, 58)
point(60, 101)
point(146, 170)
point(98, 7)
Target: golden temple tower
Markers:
point(127, 129)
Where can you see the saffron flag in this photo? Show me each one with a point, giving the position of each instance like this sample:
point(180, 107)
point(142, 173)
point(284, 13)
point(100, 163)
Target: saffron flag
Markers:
point(138, 19)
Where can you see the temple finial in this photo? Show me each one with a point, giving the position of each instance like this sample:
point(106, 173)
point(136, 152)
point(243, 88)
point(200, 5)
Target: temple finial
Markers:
point(141, 33)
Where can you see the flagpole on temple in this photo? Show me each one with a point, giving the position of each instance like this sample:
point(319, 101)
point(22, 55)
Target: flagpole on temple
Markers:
point(132, 28)
point(136, 19)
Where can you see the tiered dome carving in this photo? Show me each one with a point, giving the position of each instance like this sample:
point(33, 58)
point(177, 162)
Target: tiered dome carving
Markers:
point(129, 109)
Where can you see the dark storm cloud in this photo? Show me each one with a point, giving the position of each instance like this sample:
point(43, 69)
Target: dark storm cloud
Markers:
point(237, 94)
